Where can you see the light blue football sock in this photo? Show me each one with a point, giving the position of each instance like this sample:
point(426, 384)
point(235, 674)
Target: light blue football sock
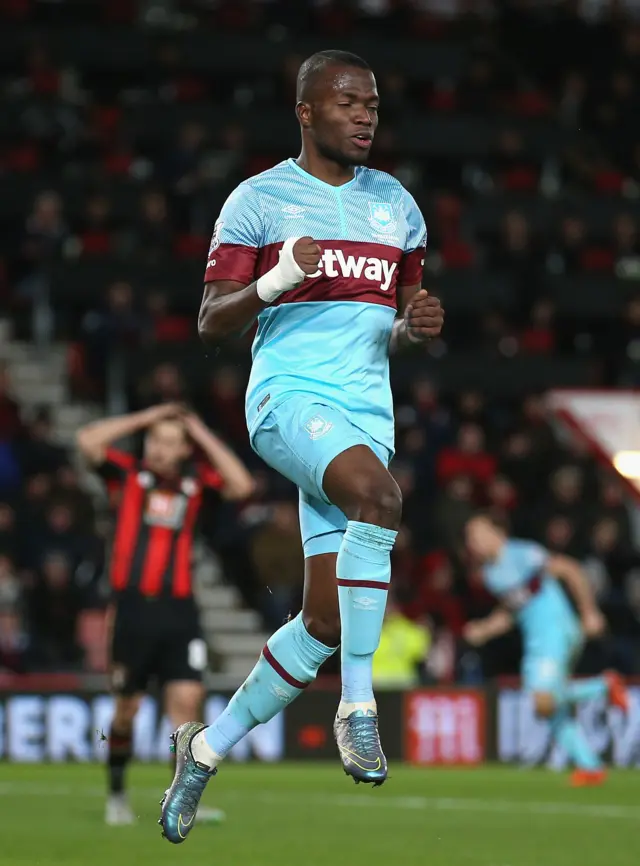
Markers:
point(363, 572)
point(566, 732)
point(287, 664)
point(579, 691)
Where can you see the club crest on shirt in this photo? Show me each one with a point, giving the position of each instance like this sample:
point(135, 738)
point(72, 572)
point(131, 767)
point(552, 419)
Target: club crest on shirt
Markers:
point(165, 508)
point(382, 217)
point(215, 238)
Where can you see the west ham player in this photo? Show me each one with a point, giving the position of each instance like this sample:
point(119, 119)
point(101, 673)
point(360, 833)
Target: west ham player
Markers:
point(525, 579)
point(322, 251)
point(155, 628)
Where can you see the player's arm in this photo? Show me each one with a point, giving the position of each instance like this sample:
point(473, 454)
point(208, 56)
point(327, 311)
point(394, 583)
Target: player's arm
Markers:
point(94, 439)
point(237, 481)
point(568, 570)
point(480, 631)
point(422, 319)
point(421, 316)
point(228, 307)
point(233, 296)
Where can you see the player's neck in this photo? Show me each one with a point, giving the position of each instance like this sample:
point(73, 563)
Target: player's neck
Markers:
point(325, 170)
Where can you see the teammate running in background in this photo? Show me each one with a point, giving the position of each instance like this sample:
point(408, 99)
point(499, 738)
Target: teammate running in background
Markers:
point(525, 579)
point(322, 251)
point(155, 627)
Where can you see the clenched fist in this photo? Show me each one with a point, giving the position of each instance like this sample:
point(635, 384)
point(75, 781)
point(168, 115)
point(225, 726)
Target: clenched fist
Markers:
point(423, 317)
point(306, 254)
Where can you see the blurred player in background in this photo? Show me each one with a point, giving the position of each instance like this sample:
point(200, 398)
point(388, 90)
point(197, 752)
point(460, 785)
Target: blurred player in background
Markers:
point(155, 627)
point(525, 579)
point(322, 251)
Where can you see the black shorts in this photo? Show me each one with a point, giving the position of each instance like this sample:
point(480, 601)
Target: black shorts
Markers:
point(155, 640)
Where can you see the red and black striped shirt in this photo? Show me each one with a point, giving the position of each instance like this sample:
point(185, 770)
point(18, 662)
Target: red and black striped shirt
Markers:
point(153, 542)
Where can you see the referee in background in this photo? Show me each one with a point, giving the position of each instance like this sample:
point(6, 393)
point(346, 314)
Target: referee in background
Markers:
point(155, 629)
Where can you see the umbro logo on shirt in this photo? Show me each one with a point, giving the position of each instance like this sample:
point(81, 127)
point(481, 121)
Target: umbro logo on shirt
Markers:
point(292, 211)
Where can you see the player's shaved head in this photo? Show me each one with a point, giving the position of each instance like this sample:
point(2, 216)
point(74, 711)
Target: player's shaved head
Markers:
point(337, 108)
point(314, 70)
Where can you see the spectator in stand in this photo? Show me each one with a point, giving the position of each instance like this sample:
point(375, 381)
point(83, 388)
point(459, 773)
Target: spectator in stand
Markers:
point(166, 326)
point(276, 552)
point(165, 385)
point(399, 661)
point(611, 504)
point(626, 246)
point(9, 541)
point(534, 419)
point(36, 493)
point(60, 533)
point(520, 463)
point(10, 420)
point(114, 327)
point(11, 428)
point(467, 457)
point(539, 335)
point(511, 168)
point(501, 500)
point(152, 237)
point(559, 536)
point(96, 227)
point(567, 247)
point(435, 594)
point(223, 405)
point(38, 452)
point(518, 258)
point(10, 590)
point(15, 643)
point(68, 491)
point(45, 232)
point(55, 609)
point(565, 498)
point(479, 88)
point(452, 508)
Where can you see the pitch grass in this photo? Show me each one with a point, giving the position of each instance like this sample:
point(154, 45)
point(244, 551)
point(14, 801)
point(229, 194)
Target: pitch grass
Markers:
point(312, 815)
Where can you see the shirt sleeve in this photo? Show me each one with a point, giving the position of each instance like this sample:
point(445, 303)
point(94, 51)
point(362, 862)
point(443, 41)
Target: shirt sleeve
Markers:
point(237, 238)
point(115, 467)
point(210, 478)
point(535, 556)
point(412, 262)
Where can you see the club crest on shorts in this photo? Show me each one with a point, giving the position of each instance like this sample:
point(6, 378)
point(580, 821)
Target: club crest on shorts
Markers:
point(215, 238)
point(382, 217)
point(317, 427)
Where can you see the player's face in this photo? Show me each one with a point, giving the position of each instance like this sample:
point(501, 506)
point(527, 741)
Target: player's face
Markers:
point(343, 118)
point(165, 447)
point(483, 538)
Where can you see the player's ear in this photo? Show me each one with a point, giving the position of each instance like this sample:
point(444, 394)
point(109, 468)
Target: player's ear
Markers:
point(303, 113)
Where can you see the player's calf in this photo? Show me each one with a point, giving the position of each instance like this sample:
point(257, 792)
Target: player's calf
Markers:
point(545, 704)
point(120, 751)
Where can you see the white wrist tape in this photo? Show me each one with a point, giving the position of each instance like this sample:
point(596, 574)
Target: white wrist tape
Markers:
point(286, 275)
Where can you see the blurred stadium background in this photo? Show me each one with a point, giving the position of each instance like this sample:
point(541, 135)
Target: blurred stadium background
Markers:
point(516, 125)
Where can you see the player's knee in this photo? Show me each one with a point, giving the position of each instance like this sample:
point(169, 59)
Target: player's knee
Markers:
point(377, 501)
point(324, 627)
point(544, 704)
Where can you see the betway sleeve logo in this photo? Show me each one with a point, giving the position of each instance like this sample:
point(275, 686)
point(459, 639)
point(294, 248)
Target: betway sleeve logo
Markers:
point(337, 263)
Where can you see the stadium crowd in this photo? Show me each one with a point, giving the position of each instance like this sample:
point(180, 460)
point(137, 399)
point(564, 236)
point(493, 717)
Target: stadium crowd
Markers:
point(525, 235)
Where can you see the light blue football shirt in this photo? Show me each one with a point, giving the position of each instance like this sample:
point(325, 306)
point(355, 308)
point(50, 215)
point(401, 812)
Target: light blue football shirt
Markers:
point(330, 336)
point(544, 613)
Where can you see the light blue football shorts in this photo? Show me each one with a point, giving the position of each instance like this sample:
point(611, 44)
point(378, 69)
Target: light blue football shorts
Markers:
point(548, 661)
point(299, 439)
